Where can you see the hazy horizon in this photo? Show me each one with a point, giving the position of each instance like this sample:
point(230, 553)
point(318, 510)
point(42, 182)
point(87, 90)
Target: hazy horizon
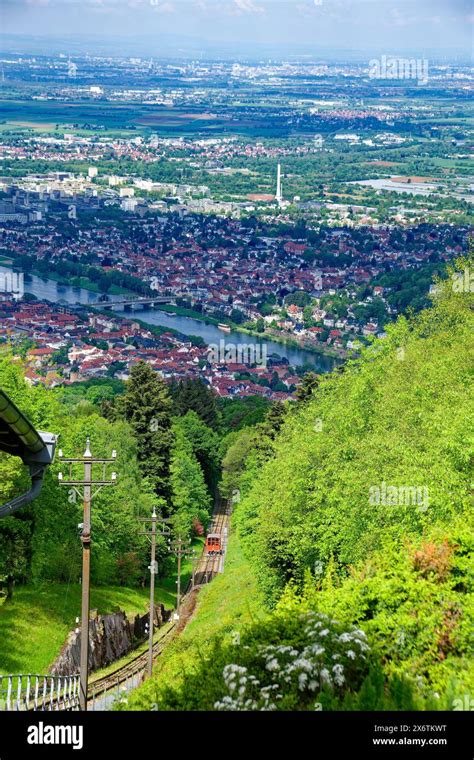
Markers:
point(229, 28)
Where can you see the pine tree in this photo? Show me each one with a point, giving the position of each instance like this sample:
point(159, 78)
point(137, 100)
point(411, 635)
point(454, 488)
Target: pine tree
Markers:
point(195, 395)
point(274, 420)
point(308, 385)
point(146, 405)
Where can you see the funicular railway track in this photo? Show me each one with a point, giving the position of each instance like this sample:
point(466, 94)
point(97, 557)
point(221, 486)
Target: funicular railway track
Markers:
point(51, 697)
point(210, 565)
point(206, 569)
point(103, 690)
point(133, 669)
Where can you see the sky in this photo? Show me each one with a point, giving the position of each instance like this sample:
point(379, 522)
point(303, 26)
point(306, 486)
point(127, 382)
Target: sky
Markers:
point(266, 27)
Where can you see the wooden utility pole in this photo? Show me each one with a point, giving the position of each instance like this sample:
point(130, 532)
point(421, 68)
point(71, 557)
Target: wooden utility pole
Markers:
point(86, 574)
point(180, 551)
point(86, 494)
point(153, 568)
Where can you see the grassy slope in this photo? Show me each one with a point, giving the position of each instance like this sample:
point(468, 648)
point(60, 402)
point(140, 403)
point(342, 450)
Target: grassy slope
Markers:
point(228, 603)
point(35, 623)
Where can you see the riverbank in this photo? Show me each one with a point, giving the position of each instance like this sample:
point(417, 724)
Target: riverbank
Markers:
point(181, 311)
point(314, 348)
point(81, 282)
point(185, 324)
point(286, 339)
point(278, 337)
point(157, 330)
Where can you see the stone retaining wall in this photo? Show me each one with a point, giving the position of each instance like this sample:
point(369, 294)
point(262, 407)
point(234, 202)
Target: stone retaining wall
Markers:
point(110, 636)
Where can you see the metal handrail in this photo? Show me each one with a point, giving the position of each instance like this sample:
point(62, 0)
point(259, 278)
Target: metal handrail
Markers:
point(33, 692)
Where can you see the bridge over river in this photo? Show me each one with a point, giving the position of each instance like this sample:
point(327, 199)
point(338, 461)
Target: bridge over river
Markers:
point(131, 304)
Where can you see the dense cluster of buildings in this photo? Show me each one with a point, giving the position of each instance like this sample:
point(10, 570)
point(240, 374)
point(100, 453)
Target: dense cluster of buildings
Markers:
point(208, 221)
point(232, 270)
point(65, 345)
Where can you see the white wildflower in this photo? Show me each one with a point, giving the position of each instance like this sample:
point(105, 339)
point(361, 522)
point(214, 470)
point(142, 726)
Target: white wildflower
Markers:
point(273, 664)
point(302, 678)
point(338, 671)
point(325, 675)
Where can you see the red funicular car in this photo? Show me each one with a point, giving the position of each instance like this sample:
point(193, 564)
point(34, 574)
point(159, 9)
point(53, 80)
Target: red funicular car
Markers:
point(213, 544)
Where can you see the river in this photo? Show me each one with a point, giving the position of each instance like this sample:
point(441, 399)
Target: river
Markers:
point(51, 291)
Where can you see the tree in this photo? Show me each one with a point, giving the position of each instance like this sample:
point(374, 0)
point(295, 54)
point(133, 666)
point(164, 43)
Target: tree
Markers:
point(308, 385)
point(237, 316)
point(235, 459)
point(100, 393)
point(247, 450)
point(146, 405)
point(389, 418)
point(189, 496)
point(115, 367)
point(190, 394)
point(300, 298)
point(60, 356)
point(15, 538)
point(204, 444)
point(237, 413)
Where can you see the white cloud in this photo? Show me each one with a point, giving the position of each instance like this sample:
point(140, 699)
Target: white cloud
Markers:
point(248, 6)
point(162, 7)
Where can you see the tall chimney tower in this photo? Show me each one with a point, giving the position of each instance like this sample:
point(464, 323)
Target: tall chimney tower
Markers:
point(279, 195)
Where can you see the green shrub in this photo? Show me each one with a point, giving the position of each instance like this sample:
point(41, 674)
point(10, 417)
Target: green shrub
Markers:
point(294, 660)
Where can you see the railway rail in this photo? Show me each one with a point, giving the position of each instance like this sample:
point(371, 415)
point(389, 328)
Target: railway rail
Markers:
point(134, 666)
point(53, 693)
point(134, 670)
point(209, 566)
point(102, 691)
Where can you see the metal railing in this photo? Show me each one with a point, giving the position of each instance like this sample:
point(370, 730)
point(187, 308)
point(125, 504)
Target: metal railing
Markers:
point(38, 692)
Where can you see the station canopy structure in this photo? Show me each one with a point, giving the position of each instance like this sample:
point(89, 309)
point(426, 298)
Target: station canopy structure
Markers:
point(20, 438)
